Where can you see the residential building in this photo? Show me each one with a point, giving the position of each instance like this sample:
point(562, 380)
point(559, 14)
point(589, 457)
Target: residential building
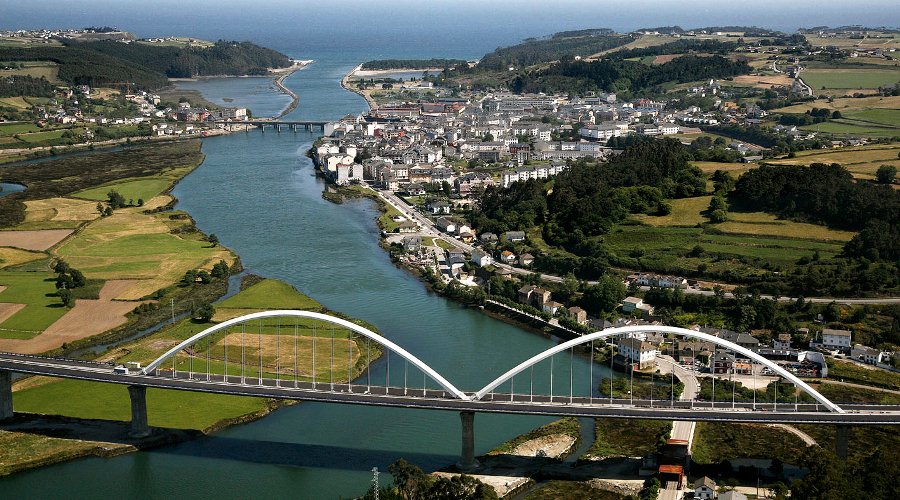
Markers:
point(836, 339)
point(508, 257)
point(513, 236)
point(782, 341)
point(526, 260)
point(412, 243)
point(551, 306)
point(540, 297)
point(722, 362)
point(637, 351)
point(631, 303)
point(577, 314)
point(704, 489)
point(868, 355)
point(482, 258)
point(408, 226)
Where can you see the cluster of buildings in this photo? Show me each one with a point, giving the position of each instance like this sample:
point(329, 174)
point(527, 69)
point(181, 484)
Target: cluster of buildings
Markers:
point(410, 143)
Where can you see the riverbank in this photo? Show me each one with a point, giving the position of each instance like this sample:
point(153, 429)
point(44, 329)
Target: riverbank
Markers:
point(279, 82)
point(60, 420)
point(345, 82)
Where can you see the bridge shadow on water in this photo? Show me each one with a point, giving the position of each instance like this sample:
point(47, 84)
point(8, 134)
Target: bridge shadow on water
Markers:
point(303, 455)
point(193, 443)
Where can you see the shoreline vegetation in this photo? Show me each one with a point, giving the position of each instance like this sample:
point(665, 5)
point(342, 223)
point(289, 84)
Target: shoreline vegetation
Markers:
point(54, 421)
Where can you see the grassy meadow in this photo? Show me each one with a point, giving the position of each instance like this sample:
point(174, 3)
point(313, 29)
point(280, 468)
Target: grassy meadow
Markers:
point(627, 437)
point(715, 442)
point(38, 291)
point(180, 409)
point(132, 244)
point(849, 78)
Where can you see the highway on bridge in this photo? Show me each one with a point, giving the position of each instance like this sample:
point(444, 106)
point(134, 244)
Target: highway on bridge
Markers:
point(437, 399)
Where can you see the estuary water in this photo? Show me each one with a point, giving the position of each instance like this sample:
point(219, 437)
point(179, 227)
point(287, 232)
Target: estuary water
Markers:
point(258, 193)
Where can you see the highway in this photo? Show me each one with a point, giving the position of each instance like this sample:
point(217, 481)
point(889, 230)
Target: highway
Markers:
point(436, 399)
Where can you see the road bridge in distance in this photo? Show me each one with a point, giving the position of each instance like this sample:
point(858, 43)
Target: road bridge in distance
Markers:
point(258, 377)
point(276, 125)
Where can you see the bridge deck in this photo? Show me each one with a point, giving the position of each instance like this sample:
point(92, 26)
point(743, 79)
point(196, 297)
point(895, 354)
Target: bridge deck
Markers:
point(556, 405)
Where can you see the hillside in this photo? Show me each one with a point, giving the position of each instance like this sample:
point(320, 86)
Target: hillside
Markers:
point(147, 67)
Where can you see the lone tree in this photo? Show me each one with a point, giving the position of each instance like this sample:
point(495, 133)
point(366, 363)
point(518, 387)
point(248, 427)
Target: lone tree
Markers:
point(886, 173)
point(205, 313)
point(213, 240)
point(116, 200)
point(67, 297)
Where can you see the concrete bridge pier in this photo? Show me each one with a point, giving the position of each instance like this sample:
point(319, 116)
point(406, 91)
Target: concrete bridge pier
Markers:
point(467, 460)
point(278, 128)
point(6, 405)
point(139, 427)
point(842, 441)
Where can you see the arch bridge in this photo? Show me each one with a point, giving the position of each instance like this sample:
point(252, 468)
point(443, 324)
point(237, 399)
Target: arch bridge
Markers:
point(311, 356)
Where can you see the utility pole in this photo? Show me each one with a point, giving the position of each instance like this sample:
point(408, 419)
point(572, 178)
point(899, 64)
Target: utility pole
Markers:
point(172, 305)
point(375, 481)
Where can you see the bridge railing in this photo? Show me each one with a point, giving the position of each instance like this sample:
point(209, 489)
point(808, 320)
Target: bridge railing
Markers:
point(527, 367)
point(60, 358)
point(302, 346)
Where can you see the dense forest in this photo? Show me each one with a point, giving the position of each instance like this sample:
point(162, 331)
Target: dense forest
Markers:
point(412, 63)
point(828, 194)
point(533, 51)
point(148, 67)
point(19, 85)
point(589, 198)
point(681, 46)
point(223, 58)
point(84, 67)
point(623, 76)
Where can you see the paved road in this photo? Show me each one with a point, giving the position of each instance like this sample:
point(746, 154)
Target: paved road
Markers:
point(682, 429)
point(412, 397)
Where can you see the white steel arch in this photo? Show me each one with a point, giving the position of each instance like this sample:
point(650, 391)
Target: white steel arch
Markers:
point(662, 329)
point(318, 316)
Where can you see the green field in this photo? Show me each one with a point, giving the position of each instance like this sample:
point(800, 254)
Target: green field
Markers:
point(165, 408)
point(131, 244)
point(853, 129)
point(43, 308)
point(18, 128)
point(13, 256)
point(628, 438)
point(144, 189)
point(715, 442)
point(849, 78)
point(36, 137)
point(270, 294)
point(15, 102)
point(385, 222)
point(37, 69)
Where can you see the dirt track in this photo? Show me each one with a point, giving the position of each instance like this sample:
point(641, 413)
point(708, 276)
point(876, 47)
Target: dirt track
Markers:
point(87, 318)
point(33, 240)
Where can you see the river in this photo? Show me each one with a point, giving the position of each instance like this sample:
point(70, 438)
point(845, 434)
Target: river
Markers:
point(258, 193)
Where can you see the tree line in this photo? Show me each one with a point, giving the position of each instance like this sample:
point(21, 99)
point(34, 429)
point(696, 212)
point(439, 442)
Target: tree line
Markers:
point(145, 67)
point(828, 194)
point(617, 75)
point(566, 44)
point(588, 199)
point(412, 63)
point(25, 85)
point(222, 58)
